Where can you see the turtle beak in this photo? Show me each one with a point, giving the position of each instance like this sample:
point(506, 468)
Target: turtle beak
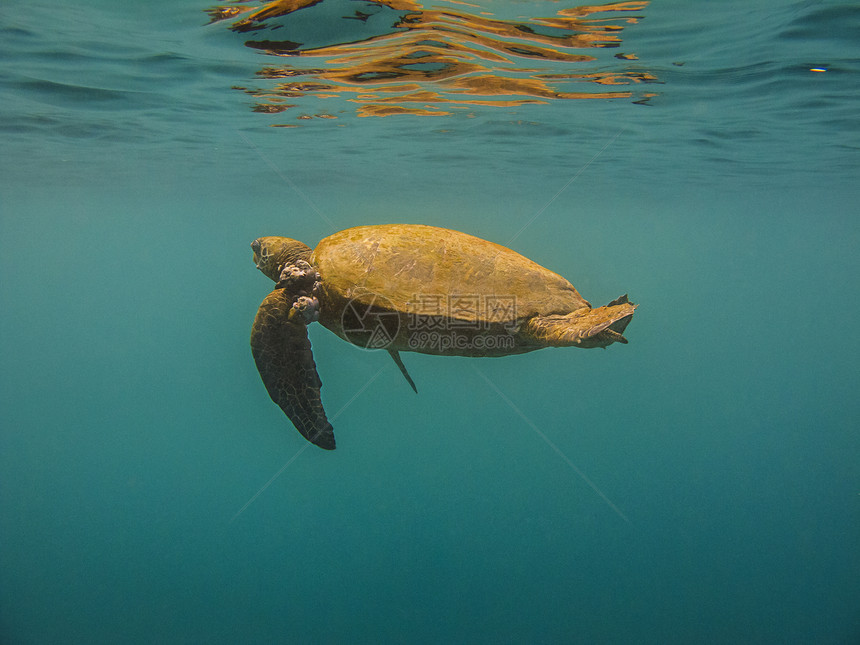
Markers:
point(255, 247)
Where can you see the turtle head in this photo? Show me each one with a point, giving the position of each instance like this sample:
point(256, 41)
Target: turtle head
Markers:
point(272, 253)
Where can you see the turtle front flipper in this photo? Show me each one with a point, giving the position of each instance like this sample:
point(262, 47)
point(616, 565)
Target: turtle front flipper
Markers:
point(282, 351)
point(582, 328)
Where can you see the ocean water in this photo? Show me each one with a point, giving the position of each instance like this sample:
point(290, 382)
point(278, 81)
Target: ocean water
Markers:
point(698, 485)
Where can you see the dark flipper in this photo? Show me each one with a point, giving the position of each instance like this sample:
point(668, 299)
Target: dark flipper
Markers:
point(396, 356)
point(282, 351)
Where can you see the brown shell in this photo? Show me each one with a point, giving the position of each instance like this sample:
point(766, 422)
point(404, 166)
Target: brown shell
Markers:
point(414, 266)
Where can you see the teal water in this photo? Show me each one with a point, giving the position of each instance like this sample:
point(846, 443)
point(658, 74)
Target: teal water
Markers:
point(699, 485)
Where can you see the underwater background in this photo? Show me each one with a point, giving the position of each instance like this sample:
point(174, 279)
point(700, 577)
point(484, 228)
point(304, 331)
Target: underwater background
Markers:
point(698, 485)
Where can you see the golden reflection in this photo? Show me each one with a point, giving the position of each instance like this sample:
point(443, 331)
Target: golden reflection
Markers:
point(428, 62)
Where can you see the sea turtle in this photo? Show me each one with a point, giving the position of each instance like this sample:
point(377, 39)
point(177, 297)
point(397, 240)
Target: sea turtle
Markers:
point(406, 287)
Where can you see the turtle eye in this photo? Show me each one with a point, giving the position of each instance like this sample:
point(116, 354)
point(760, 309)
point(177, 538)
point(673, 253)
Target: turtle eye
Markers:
point(255, 246)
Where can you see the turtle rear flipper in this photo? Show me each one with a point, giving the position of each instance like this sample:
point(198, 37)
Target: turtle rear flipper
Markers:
point(582, 328)
point(399, 362)
point(282, 351)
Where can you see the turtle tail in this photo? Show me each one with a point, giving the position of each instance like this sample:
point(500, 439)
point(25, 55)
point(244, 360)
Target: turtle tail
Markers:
point(584, 327)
